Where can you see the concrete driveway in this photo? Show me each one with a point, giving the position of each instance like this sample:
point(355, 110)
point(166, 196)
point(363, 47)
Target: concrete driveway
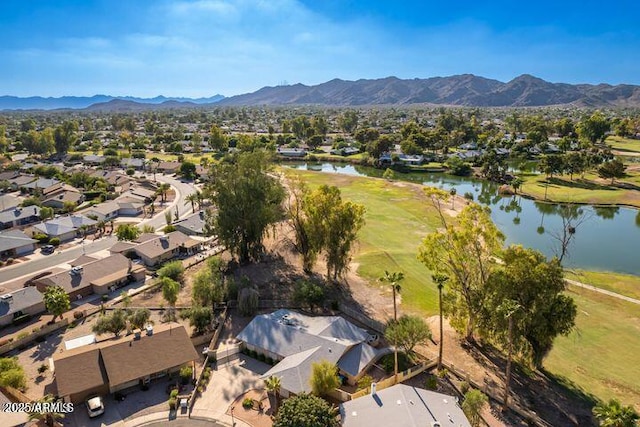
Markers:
point(229, 381)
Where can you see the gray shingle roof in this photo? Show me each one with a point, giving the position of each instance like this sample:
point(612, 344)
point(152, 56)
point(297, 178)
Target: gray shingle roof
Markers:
point(64, 224)
point(302, 340)
point(403, 405)
point(20, 300)
point(19, 213)
point(13, 239)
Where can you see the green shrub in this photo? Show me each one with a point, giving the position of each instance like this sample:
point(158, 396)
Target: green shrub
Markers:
point(41, 237)
point(247, 403)
point(308, 294)
point(186, 373)
point(387, 362)
point(464, 387)
point(23, 334)
point(365, 382)
point(173, 404)
point(55, 241)
point(173, 394)
point(431, 383)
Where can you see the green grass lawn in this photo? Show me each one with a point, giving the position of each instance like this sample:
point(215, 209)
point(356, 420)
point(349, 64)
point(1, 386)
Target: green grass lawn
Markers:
point(623, 144)
point(601, 356)
point(624, 284)
point(562, 189)
point(398, 217)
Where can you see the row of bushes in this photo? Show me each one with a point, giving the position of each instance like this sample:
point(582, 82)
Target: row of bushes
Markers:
point(259, 356)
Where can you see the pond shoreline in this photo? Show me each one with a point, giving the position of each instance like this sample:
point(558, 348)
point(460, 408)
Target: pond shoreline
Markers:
point(346, 161)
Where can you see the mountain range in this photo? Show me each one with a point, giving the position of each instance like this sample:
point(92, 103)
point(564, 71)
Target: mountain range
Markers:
point(461, 90)
point(81, 102)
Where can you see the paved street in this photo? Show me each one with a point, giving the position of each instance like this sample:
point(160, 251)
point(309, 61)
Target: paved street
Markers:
point(182, 189)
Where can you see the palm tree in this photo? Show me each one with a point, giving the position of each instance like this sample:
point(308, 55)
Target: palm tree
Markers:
point(193, 199)
point(47, 412)
point(393, 279)
point(614, 414)
point(164, 188)
point(516, 184)
point(508, 309)
point(453, 192)
point(440, 280)
point(273, 384)
point(200, 198)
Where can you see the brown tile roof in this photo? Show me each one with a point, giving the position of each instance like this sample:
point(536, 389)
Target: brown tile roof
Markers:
point(128, 359)
point(119, 360)
point(163, 244)
point(78, 370)
point(92, 272)
point(82, 260)
point(121, 247)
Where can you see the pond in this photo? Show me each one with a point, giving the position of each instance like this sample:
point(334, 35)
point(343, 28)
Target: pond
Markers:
point(607, 239)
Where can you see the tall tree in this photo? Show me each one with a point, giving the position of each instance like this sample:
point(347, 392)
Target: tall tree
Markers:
point(407, 332)
point(273, 385)
point(65, 136)
point(170, 289)
point(56, 301)
point(613, 169)
point(392, 279)
point(249, 201)
point(333, 226)
point(440, 279)
point(594, 128)
point(526, 308)
point(193, 199)
point(139, 318)
point(217, 139)
point(464, 252)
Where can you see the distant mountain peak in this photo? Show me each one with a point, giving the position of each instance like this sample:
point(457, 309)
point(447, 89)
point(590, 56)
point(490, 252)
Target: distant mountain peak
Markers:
point(462, 90)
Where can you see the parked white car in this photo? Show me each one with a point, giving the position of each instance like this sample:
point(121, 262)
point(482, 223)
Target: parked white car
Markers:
point(95, 406)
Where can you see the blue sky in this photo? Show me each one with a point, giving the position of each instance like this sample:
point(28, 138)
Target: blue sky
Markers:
point(203, 47)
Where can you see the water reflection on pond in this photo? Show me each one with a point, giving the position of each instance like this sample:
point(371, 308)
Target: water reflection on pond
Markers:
point(608, 239)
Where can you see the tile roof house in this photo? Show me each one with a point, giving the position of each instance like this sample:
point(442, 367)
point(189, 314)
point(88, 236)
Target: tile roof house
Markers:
point(297, 341)
point(65, 227)
point(155, 249)
point(98, 276)
point(168, 167)
point(18, 216)
point(17, 303)
point(403, 406)
point(15, 243)
point(119, 363)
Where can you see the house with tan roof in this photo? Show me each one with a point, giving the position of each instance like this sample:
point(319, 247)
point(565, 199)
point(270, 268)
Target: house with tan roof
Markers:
point(154, 249)
point(98, 276)
point(120, 363)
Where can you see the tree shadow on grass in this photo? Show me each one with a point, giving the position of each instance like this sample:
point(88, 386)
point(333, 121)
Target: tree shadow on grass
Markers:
point(555, 399)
